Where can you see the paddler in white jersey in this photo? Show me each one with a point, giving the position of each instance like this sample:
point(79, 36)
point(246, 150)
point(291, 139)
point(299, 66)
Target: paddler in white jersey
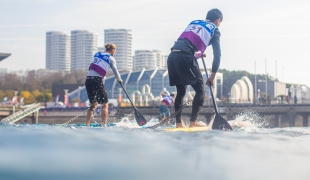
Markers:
point(94, 85)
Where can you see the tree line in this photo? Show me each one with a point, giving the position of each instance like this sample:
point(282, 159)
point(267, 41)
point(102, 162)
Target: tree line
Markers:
point(36, 86)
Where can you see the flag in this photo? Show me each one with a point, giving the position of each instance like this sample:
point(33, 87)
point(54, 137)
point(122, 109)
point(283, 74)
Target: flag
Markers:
point(56, 100)
point(14, 100)
point(21, 100)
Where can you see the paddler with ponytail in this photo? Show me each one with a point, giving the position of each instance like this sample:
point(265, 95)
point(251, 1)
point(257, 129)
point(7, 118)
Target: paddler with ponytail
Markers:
point(94, 82)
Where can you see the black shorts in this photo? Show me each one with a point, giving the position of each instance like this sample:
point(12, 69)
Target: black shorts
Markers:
point(183, 69)
point(95, 90)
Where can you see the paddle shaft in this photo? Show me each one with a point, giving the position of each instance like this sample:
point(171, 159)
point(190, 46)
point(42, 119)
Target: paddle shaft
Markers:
point(128, 96)
point(214, 103)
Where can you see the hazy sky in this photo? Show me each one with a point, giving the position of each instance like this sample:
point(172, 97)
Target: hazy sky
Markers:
point(252, 30)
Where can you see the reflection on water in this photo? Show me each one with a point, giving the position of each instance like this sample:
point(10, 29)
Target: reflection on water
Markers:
point(126, 151)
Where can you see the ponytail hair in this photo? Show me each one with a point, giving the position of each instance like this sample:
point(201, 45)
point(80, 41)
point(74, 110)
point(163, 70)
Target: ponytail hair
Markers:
point(109, 47)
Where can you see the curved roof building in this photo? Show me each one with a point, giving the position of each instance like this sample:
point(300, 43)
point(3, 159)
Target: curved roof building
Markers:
point(242, 91)
point(235, 93)
point(249, 87)
point(146, 82)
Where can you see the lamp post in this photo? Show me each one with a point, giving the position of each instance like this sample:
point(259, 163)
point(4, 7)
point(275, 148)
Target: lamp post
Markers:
point(266, 78)
point(255, 83)
point(275, 83)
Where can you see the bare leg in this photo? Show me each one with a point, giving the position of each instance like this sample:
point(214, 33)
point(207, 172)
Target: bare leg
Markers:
point(104, 113)
point(179, 125)
point(90, 112)
point(196, 124)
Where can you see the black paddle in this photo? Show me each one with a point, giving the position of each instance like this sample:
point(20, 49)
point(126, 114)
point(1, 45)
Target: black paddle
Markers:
point(139, 118)
point(219, 122)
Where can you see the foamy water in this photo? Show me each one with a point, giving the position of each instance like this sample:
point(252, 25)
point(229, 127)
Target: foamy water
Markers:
point(126, 151)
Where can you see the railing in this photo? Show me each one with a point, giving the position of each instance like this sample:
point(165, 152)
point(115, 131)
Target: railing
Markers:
point(22, 113)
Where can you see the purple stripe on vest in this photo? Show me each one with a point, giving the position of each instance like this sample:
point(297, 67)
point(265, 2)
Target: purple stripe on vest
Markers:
point(165, 101)
point(195, 39)
point(98, 69)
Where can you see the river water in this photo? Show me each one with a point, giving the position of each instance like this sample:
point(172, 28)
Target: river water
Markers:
point(128, 152)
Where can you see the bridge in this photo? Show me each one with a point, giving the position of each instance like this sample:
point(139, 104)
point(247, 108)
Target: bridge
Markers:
point(288, 115)
point(22, 113)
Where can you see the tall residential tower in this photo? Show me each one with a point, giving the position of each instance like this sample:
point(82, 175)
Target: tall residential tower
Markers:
point(148, 59)
point(122, 38)
point(83, 47)
point(57, 51)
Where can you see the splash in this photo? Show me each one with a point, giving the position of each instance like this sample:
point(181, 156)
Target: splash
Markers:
point(249, 121)
point(127, 123)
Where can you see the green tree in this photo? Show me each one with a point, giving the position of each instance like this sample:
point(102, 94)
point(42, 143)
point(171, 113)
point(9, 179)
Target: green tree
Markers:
point(44, 97)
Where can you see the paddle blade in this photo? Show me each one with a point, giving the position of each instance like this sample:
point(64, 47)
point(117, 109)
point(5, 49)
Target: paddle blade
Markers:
point(139, 118)
point(220, 123)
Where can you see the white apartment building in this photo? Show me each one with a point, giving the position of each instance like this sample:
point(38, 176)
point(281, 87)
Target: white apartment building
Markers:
point(165, 58)
point(101, 49)
point(122, 38)
point(57, 51)
point(83, 47)
point(148, 59)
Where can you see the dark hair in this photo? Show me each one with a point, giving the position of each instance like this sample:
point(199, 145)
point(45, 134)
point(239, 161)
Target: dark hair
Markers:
point(214, 14)
point(109, 47)
point(172, 94)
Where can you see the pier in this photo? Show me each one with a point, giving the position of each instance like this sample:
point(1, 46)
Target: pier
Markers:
point(276, 115)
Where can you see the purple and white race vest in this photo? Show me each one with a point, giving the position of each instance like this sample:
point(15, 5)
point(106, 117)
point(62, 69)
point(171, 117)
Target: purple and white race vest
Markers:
point(101, 63)
point(167, 100)
point(199, 33)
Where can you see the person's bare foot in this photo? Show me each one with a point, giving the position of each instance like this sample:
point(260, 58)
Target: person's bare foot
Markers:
point(196, 124)
point(103, 125)
point(179, 125)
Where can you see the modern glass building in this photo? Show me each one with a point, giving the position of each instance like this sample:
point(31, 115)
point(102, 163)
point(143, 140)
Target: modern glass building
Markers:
point(143, 83)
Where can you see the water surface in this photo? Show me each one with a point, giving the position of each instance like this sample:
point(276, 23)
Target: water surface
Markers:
point(126, 151)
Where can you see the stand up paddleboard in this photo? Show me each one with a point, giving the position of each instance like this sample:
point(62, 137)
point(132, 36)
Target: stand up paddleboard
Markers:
point(193, 129)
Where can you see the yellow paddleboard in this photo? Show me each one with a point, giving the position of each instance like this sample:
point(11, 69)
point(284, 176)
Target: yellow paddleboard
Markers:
point(194, 129)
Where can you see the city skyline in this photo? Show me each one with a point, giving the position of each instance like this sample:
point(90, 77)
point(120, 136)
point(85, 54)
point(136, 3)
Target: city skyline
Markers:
point(251, 31)
point(66, 52)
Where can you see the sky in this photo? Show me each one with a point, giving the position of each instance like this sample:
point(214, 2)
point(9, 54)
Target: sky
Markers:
point(273, 34)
